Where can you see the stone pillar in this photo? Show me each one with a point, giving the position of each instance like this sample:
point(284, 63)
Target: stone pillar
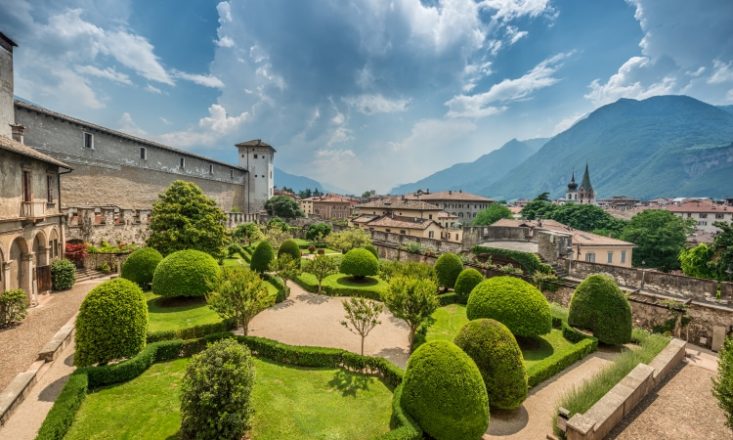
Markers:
point(5, 267)
point(29, 276)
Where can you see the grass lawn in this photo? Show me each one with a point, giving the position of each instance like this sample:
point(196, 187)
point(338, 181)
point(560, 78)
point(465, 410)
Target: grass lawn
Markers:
point(344, 283)
point(450, 319)
point(288, 402)
point(233, 262)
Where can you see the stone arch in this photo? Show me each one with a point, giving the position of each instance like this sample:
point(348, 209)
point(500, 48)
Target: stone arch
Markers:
point(54, 244)
point(40, 249)
point(20, 271)
point(2, 268)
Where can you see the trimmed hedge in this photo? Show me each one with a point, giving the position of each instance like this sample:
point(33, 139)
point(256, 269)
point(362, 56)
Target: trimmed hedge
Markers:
point(13, 306)
point(513, 302)
point(283, 291)
point(63, 274)
point(289, 247)
point(262, 257)
point(498, 357)
point(444, 392)
point(530, 263)
point(372, 249)
point(543, 370)
point(196, 331)
point(64, 410)
point(310, 284)
point(466, 281)
point(112, 323)
point(185, 273)
point(448, 267)
point(140, 266)
point(359, 263)
point(599, 305)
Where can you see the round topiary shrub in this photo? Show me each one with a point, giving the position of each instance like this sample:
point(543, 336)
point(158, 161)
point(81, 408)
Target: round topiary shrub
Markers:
point(140, 266)
point(262, 257)
point(215, 395)
point(444, 392)
point(185, 273)
point(492, 346)
point(289, 247)
point(466, 281)
point(599, 305)
point(372, 249)
point(63, 274)
point(513, 302)
point(359, 263)
point(13, 306)
point(112, 323)
point(448, 267)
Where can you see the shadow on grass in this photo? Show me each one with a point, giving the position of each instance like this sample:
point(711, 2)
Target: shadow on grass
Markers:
point(349, 384)
point(535, 348)
point(177, 304)
point(507, 422)
point(349, 281)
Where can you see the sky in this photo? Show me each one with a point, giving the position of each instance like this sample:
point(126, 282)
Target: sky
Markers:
point(361, 94)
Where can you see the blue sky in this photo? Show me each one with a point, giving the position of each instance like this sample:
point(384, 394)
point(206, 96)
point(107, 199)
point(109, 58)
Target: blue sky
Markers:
point(362, 94)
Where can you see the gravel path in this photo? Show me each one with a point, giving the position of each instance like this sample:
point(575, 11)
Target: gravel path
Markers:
point(19, 345)
point(311, 319)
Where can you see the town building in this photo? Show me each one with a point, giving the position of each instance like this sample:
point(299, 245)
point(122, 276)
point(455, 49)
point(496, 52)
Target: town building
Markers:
point(583, 194)
point(31, 221)
point(328, 207)
point(463, 205)
point(409, 226)
point(400, 207)
point(586, 246)
point(704, 212)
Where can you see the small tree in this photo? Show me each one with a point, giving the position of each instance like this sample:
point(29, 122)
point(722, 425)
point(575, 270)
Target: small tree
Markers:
point(247, 233)
point(659, 236)
point(412, 300)
point(277, 237)
point(262, 257)
point(362, 315)
point(491, 214)
point(13, 306)
point(448, 267)
point(283, 206)
point(321, 266)
point(317, 231)
point(186, 218)
point(286, 267)
point(723, 384)
point(239, 294)
point(348, 239)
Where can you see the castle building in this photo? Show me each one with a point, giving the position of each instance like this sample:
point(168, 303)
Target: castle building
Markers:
point(583, 194)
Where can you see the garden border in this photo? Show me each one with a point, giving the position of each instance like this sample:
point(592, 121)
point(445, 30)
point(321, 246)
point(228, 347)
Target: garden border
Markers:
point(62, 414)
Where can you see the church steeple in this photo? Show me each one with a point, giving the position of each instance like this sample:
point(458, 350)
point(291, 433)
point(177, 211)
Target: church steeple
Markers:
point(572, 194)
point(586, 193)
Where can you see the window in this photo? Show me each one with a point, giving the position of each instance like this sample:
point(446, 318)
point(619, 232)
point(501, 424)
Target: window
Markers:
point(402, 231)
point(703, 215)
point(623, 256)
point(143, 153)
point(211, 168)
point(610, 258)
point(231, 174)
point(27, 196)
point(431, 234)
point(49, 188)
point(719, 215)
point(430, 216)
point(590, 257)
point(182, 162)
point(255, 155)
point(88, 140)
point(702, 223)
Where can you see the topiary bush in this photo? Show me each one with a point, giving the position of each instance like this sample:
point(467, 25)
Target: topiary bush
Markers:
point(262, 257)
point(216, 390)
point(372, 249)
point(291, 248)
point(599, 305)
point(444, 392)
point(112, 323)
point(448, 267)
point(466, 281)
point(513, 302)
point(13, 306)
point(496, 353)
point(185, 273)
point(359, 263)
point(63, 274)
point(723, 382)
point(140, 266)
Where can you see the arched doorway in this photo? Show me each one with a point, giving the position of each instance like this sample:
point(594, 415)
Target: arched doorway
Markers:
point(39, 249)
point(54, 251)
point(19, 268)
point(42, 258)
point(2, 270)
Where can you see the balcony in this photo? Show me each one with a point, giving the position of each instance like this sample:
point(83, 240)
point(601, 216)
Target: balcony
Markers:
point(35, 211)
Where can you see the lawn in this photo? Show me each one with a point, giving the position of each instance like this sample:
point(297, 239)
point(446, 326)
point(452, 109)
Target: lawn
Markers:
point(289, 402)
point(342, 284)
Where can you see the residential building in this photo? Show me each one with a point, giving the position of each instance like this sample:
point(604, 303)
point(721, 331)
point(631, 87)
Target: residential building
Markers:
point(329, 206)
point(463, 205)
point(399, 207)
point(704, 212)
point(583, 194)
point(31, 222)
point(409, 226)
point(306, 205)
point(586, 246)
point(619, 203)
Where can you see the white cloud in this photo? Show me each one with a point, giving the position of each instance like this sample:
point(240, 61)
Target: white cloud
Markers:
point(211, 129)
point(107, 73)
point(202, 80)
point(512, 9)
point(152, 89)
point(128, 125)
point(225, 11)
point(628, 83)
point(494, 100)
point(514, 34)
point(72, 86)
point(722, 72)
point(225, 42)
point(220, 122)
point(376, 103)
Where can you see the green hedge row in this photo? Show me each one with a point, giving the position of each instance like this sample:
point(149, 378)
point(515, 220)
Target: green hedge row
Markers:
point(197, 331)
point(560, 360)
point(447, 298)
point(530, 262)
point(283, 291)
point(62, 413)
point(337, 291)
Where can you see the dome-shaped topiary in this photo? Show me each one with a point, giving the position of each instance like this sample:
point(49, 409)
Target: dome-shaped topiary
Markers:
point(185, 273)
point(140, 266)
point(289, 247)
point(444, 392)
point(262, 257)
point(448, 267)
point(599, 305)
point(513, 302)
point(372, 249)
point(359, 263)
point(466, 281)
point(496, 353)
point(112, 323)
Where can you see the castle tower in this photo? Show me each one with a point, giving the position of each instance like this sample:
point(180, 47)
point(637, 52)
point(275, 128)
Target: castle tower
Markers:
point(572, 194)
point(7, 110)
point(259, 159)
point(586, 195)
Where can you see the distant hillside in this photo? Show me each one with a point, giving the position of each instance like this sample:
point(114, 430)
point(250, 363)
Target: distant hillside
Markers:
point(476, 175)
point(728, 108)
point(297, 183)
point(661, 146)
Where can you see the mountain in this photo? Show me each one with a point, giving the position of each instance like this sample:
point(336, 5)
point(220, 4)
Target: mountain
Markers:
point(728, 108)
point(297, 183)
point(658, 147)
point(473, 176)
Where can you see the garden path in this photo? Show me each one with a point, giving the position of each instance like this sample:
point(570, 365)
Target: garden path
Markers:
point(533, 420)
point(310, 319)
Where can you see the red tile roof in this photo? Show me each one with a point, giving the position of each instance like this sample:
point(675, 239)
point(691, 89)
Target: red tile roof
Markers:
point(449, 195)
point(701, 206)
point(579, 237)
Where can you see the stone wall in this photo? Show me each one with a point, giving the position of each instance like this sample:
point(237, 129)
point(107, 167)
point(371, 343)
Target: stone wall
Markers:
point(473, 235)
point(111, 224)
point(437, 246)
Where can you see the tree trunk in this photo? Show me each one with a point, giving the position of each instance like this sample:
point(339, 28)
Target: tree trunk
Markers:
point(362, 345)
point(245, 327)
point(411, 337)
